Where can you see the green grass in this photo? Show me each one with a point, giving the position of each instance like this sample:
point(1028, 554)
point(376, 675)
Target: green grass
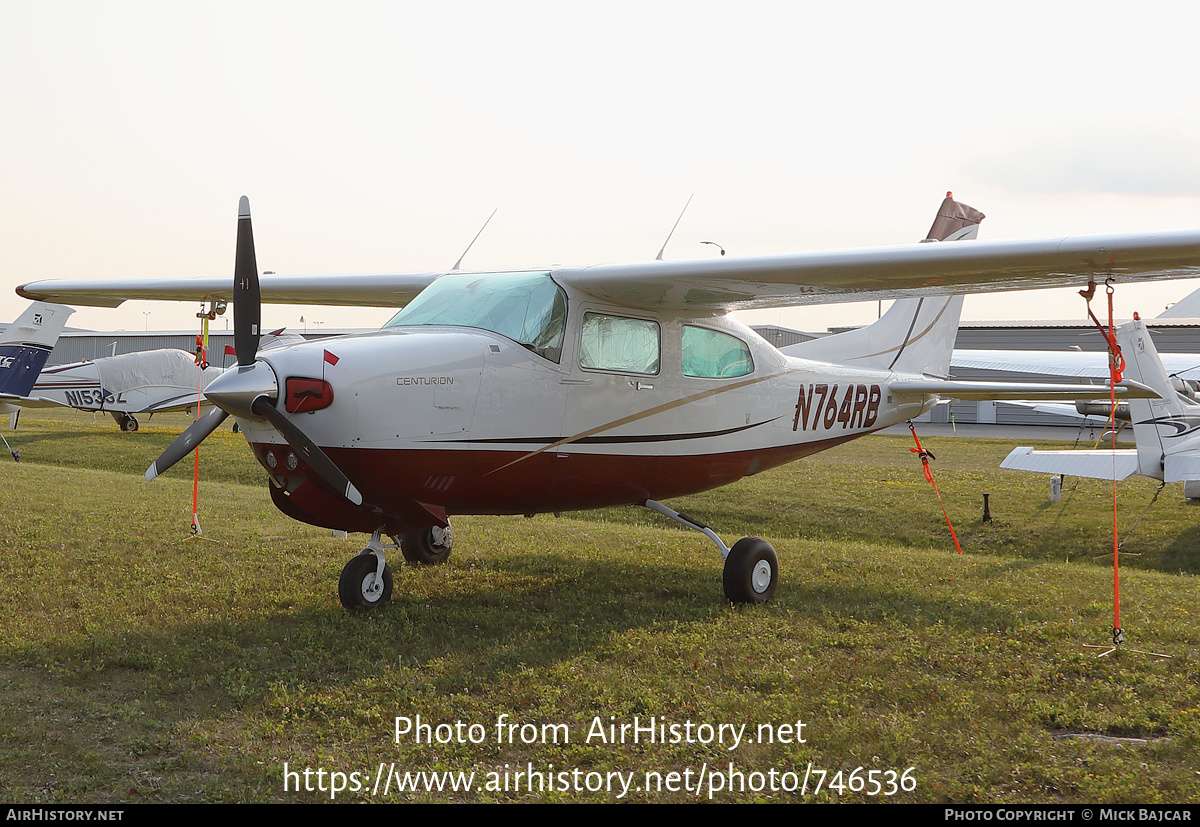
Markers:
point(139, 666)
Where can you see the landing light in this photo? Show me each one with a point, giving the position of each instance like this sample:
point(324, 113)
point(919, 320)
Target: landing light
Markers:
point(307, 394)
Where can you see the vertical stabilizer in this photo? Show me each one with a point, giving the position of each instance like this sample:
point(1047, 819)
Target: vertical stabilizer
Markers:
point(915, 335)
point(25, 345)
point(1165, 429)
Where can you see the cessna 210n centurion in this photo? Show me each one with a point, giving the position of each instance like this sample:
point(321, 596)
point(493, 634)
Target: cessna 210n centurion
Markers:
point(576, 388)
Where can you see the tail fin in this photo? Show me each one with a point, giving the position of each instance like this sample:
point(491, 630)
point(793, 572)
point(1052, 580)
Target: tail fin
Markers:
point(1166, 430)
point(914, 335)
point(25, 345)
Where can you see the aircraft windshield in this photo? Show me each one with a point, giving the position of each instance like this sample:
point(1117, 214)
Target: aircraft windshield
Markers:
point(528, 308)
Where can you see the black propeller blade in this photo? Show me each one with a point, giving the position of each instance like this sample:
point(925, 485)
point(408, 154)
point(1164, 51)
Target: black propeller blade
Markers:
point(317, 459)
point(247, 298)
point(251, 382)
point(186, 442)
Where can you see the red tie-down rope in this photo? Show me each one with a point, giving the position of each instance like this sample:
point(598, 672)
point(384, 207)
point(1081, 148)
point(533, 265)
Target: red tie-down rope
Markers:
point(1116, 366)
point(925, 457)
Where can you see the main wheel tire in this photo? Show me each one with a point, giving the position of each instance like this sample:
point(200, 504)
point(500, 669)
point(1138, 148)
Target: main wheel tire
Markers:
point(355, 586)
point(751, 571)
point(429, 547)
point(129, 424)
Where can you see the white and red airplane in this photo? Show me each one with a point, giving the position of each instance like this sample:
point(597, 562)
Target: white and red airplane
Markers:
point(584, 387)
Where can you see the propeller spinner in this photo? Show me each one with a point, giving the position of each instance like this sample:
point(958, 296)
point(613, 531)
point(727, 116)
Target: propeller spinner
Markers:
point(251, 390)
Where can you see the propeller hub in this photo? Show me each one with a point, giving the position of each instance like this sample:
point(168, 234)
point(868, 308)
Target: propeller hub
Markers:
point(235, 390)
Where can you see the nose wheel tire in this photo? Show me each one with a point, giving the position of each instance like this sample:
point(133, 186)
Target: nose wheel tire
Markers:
point(751, 571)
point(359, 587)
point(428, 547)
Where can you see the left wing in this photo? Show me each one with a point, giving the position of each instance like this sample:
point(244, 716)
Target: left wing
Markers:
point(721, 285)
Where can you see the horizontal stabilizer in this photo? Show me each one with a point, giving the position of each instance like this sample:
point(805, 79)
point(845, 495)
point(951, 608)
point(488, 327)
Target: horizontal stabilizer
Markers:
point(1018, 390)
point(1098, 465)
point(1181, 467)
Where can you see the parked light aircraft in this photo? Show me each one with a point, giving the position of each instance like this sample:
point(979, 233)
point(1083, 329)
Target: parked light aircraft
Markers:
point(150, 381)
point(1165, 429)
point(582, 387)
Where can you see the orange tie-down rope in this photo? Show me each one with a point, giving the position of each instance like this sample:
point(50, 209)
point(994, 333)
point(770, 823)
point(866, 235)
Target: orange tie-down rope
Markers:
point(201, 363)
point(925, 457)
point(1116, 366)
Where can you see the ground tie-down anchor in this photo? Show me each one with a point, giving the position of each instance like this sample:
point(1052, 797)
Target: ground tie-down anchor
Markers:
point(1118, 640)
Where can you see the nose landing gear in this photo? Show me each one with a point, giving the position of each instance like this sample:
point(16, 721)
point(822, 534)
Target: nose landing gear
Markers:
point(366, 581)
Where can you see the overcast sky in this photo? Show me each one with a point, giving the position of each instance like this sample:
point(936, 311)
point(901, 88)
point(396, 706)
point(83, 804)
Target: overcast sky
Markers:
point(378, 136)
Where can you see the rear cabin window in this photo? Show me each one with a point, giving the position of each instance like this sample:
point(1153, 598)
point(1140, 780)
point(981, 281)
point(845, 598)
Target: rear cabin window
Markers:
point(619, 343)
point(710, 354)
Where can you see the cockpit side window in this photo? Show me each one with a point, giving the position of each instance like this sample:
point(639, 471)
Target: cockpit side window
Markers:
point(619, 343)
point(711, 354)
point(528, 308)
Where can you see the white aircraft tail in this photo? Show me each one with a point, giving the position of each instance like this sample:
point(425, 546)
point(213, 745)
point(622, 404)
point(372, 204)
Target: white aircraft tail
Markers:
point(1165, 430)
point(915, 335)
point(25, 345)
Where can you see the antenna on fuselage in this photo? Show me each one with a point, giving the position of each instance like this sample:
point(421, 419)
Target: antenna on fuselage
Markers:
point(473, 240)
point(677, 220)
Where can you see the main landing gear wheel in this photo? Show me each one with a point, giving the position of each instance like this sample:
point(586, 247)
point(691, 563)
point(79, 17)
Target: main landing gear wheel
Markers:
point(429, 547)
point(359, 587)
point(128, 423)
point(751, 571)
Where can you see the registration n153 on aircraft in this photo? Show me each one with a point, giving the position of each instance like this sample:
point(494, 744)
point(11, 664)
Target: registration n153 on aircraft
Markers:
point(573, 388)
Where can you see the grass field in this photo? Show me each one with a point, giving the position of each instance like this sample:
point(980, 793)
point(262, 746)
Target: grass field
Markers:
point(139, 666)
